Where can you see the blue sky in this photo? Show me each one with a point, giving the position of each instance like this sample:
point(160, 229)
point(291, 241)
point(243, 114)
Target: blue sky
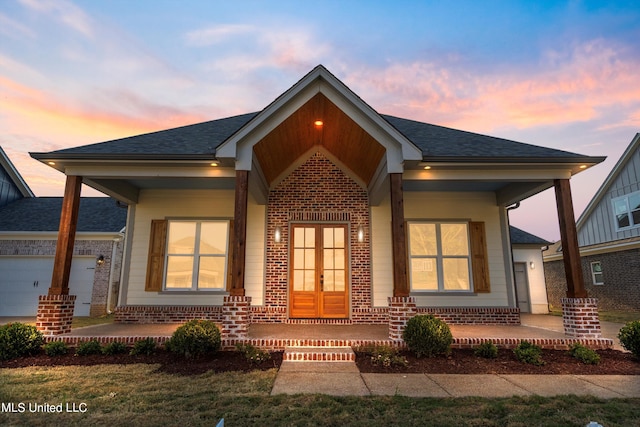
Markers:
point(558, 74)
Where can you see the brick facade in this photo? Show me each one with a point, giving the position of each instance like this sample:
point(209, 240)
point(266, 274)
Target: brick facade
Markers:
point(580, 317)
point(621, 289)
point(55, 314)
point(94, 248)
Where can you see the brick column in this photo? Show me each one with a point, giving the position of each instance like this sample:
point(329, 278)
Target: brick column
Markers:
point(401, 309)
point(580, 317)
point(55, 313)
point(235, 317)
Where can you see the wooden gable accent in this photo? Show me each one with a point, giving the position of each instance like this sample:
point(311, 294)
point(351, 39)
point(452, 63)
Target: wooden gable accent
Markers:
point(339, 134)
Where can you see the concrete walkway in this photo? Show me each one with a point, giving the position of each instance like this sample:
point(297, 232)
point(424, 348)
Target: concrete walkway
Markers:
point(344, 379)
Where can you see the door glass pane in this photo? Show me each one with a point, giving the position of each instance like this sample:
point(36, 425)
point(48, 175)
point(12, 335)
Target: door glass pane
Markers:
point(339, 237)
point(423, 239)
point(213, 238)
point(309, 237)
point(310, 258)
point(454, 239)
point(339, 259)
point(328, 263)
point(340, 282)
point(424, 274)
point(456, 274)
point(182, 238)
point(329, 281)
point(327, 237)
point(298, 259)
point(211, 273)
point(179, 272)
point(298, 237)
point(309, 280)
point(298, 280)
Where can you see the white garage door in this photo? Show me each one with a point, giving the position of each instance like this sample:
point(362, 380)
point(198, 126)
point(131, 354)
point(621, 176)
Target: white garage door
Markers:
point(23, 279)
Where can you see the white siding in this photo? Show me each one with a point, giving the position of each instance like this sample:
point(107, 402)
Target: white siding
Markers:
point(381, 255)
point(255, 269)
point(443, 206)
point(160, 204)
point(535, 278)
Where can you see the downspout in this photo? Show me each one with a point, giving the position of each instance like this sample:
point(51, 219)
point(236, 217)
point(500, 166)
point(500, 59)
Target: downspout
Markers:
point(116, 241)
point(513, 267)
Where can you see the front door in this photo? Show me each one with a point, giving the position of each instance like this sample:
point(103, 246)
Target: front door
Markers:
point(318, 272)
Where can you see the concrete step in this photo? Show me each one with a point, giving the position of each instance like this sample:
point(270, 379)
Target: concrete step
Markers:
point(319, 354)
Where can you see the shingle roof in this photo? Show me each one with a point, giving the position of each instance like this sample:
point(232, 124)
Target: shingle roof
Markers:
point(521, 237)
point(96, 214)
point(202, 139)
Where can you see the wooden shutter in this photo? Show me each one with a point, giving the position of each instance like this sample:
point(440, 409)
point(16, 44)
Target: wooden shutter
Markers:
point(479, 258)
point(155, 262)
point(230, 256)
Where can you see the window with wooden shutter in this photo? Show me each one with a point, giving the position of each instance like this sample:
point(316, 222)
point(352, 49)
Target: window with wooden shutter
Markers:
point(479, 258)
point(155, 263)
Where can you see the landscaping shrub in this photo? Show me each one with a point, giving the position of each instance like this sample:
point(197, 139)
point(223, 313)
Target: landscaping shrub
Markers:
point(488, 350)
point(115, 347)
point(426, 335)
point(88, 348)
point(56, 348)
point(18, 339)
point(584, 354)
point(527, 352)
point(195, 338)
point(629, 337)
point(253, 354)
point(146, 346)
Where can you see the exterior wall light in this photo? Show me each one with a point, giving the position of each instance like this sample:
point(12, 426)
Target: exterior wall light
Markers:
point(532, 265)
point(100, 260)
point(277, 234)
point(360, 234)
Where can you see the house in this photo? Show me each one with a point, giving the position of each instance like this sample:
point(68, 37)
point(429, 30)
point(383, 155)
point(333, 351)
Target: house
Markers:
point(609, 240)
point(28, 236)
point(316, 209)
point(528, 271)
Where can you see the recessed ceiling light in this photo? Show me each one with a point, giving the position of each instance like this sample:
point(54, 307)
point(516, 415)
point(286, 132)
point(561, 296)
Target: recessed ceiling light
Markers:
point(51, 163)
point(318, 123)
point(214, 163)
point(427, 167)
point(583, 166)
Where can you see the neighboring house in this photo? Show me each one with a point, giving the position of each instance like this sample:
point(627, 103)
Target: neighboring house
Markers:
point(609, 240)
point(28, 235)
point(528, 269)
point(317, 209)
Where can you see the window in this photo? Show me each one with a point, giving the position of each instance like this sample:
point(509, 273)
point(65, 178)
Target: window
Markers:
point(596, 273)
point(439, 257)
point(626, 210)
point(196, 255)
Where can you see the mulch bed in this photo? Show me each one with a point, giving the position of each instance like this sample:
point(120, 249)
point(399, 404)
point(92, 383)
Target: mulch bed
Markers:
point(612, 362)
point(222, 361)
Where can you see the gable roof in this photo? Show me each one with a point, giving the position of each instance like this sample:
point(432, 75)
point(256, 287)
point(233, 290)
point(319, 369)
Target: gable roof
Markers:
point(13, 174)
point(521, 237)
point(42, 214)
point(633, 147)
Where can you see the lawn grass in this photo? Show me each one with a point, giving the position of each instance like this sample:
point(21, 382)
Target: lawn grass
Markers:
point(609, 316)
point(137, 395)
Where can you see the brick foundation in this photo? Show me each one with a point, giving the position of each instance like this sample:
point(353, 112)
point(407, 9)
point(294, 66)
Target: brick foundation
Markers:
point(235, 317)
point(55, 314)
point(166, 313)
point(401, 309)
point(474, 315)
point(580, 317)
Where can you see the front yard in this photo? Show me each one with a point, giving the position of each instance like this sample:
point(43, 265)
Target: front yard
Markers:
point(139, 394)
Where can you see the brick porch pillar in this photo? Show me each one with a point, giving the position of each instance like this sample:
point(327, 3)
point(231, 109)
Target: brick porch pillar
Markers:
point(55, 314)
point(580, 317)
point(235, 317)
point(401, 309)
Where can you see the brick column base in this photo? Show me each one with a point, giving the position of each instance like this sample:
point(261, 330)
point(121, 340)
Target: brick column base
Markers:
point(55, 313)
point(580, 317)
point(235, 317)
point(401, 309)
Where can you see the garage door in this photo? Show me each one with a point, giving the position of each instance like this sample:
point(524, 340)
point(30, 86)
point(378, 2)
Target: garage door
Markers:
point(23, 279)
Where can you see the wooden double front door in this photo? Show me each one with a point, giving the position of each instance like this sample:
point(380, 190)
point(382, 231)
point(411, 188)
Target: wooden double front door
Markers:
point(318, 274)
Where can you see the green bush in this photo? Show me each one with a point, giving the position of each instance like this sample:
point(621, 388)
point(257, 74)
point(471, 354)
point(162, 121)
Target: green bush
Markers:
point(426, 335)
point(88, 348)
point(527, 352)
point(488, 350)
point(629, 337)
point(56, 348)
point(18, 339)
point(584, 354)
point(195, 338)
point(146, 346)
point(253, 354)
point(115, 347)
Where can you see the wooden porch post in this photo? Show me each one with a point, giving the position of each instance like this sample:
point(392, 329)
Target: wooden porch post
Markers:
point(66, 237)
point(398, 238)
point(240, 232)
point(569, 237)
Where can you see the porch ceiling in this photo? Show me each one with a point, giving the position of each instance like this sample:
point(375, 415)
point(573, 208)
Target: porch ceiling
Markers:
point(339, 135)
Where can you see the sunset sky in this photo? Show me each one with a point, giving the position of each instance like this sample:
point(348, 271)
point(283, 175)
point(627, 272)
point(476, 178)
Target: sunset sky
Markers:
point(564, 75)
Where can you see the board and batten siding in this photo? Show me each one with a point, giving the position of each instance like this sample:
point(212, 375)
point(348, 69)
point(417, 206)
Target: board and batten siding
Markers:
point(463, 206)
point(600, 226)
point(160, 204)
